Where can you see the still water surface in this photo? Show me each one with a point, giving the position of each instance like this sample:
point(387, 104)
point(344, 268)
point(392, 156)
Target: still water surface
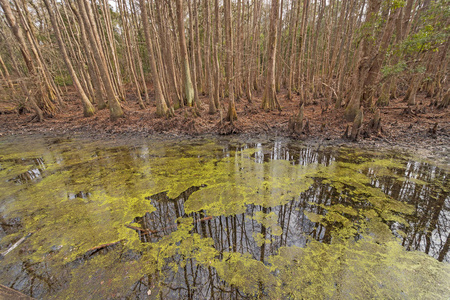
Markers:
point(220, 219)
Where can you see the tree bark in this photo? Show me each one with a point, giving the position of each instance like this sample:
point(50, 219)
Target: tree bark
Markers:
point(194, 53)
point(270, 100)
point(114, 105)
point(374, 71)
point(18, 33)
point(25, 89)
point(295, 11)
point(169, 58)
point(128, 51)
point(92, 66)
point(88, 108)
point(362, 68)
point(161, 106)
point(216, 55)
point(231, 115)
point(212, 105)
point(198, 55)
point(31, 55)
point(189, 90)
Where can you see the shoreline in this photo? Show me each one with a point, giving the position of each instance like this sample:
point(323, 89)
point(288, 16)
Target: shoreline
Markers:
point(436, 153)
point(401, 130)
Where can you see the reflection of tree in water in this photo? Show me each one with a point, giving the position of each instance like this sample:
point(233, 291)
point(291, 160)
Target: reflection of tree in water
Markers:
point(254, 233)
point(32, 174)
point(429, 228)
point(163, 221)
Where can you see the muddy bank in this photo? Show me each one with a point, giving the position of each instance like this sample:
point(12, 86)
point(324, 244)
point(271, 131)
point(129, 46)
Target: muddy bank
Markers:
point(423, 130)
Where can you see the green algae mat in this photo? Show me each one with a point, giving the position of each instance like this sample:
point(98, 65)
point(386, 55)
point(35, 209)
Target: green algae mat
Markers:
point(220, 219)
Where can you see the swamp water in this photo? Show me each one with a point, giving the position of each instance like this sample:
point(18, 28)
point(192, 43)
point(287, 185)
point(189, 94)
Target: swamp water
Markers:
point(220, 219)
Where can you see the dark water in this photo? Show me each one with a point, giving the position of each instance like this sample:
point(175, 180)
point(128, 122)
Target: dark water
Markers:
point(220, 219)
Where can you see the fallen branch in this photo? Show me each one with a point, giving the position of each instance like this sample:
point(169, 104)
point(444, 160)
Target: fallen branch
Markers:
point(101, 247)
point(334, 92)
point(9, 293)
point(16, 244)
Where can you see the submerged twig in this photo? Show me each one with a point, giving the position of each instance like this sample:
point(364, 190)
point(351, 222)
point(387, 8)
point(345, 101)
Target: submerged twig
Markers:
point(101, 247)
point(16, 244)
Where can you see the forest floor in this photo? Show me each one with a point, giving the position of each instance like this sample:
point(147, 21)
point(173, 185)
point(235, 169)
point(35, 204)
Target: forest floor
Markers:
point(414, 129)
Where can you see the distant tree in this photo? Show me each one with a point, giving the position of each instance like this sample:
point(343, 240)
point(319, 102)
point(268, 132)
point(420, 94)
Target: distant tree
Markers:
point(93, 37)
point(88, 108)
point(270, 100)
point(161, 106)
point(188, 88)
point(231, 114)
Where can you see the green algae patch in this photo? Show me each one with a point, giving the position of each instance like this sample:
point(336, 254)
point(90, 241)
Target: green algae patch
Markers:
point(233, 184)
point(269, 221)
point(80, 226)
point(358, 270)
point(104, 276)
point(242, 271)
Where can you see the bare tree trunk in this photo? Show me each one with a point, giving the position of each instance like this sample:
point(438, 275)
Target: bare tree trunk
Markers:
point(129, 55)
point(6, 75)
point(161, 106)
point(49, 90)
point(92, 66)
point(189, 90)
point(302, 45)
point(216, 56)
point(295, 11)
point(136, 28)
point(237, 57)
point(231, 115)
point(114, 65)
point(88, 108)
point(25, 89)
point(278, 56)
point(198, 55)
point(160, 65)
point(74, 51)
point(18, 33)
point(255, 46)
point(363, 65)
point(270, 100)
point(375, 68)
point(410, 97)
point(114, 105)
point(104, 49)
point(46, 89)
point(193, 54)
point(176, 51)
point(406, 18)
point(248, 57)
point(212, 105)
point(169, 58)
